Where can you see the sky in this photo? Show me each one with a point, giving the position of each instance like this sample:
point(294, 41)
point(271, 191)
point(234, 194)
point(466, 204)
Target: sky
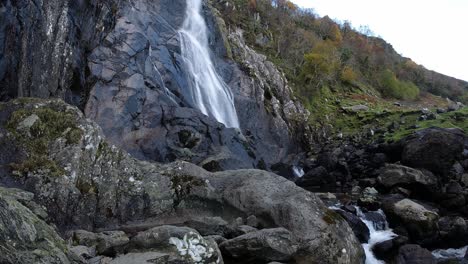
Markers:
point(433, 33)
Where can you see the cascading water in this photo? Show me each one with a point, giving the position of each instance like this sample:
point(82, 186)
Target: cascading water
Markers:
point(450, 254)
point(211, 95)
point(378, 231)
point(377, 235)
point(298, 171)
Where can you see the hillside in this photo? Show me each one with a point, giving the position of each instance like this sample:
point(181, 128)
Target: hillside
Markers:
point(316, 52)
point(332, 66)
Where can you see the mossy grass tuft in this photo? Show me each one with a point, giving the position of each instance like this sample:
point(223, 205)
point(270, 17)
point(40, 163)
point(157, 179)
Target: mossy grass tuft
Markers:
point(50, 126)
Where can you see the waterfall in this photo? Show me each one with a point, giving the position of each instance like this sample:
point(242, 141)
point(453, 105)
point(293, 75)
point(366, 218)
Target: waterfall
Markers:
point(211, 95)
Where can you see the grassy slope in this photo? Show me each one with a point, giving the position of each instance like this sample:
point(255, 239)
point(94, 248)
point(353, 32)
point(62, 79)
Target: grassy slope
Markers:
point(388, 121)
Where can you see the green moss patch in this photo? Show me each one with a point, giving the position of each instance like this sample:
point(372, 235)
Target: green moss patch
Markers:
point(388, 121)
point(455, 119)
point(50, 125)
point(331, 217)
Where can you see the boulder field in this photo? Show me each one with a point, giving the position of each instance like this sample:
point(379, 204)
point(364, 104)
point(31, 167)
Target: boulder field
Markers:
point(419, 182)
point(83, 200)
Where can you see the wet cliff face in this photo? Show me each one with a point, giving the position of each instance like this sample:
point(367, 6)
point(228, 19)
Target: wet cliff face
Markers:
point(44, 44)
point(122, 62)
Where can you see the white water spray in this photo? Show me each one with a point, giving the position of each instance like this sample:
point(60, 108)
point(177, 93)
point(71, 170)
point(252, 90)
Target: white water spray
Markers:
point(377, 233)
point(298, 171)
point(376, 236)
point(450, 254)
point(211, 95)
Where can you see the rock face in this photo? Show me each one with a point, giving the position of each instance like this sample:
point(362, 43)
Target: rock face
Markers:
point(121, 61)
point(44, 46)
point(87, 184)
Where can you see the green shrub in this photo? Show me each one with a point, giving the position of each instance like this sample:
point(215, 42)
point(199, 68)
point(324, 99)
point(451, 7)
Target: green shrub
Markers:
point(390, 86)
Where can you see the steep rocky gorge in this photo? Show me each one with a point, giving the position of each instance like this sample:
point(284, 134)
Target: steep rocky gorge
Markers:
point(121, 62)
point(109, 160)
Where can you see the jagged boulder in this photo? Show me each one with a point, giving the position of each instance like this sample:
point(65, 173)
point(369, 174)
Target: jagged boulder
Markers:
point(86, 183)
point(359, 228)
point(25, 238)
point(435, 149)
point(176, 245)
point(421, 223)
point(388, 250)
point(453, 231)
point(414, 254)
point(398, 175)
point(105, 243)
point(317, 179)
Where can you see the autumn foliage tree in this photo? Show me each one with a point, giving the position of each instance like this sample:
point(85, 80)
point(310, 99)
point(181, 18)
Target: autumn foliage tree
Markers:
point(321, 64)
point(348, 75)
point(314, 51)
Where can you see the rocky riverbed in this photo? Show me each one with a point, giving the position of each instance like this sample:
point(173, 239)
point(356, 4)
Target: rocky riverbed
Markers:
point(61, 177)
point(69, 196)
point(419, 183)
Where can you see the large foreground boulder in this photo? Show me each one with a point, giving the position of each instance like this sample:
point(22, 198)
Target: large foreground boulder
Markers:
point(86, 183)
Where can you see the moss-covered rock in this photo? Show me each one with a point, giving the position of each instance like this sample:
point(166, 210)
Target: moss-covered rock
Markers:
point(35, 127)
point(24, 237)
point(104, 188)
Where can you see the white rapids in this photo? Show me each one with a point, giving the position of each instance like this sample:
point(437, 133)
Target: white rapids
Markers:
point(211, 95)
point(376, 236)
point(451, 253)
point(376, 232)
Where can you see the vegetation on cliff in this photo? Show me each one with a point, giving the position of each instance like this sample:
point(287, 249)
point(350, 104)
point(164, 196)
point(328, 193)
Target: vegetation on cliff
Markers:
point(331, 65)
point(317, 51)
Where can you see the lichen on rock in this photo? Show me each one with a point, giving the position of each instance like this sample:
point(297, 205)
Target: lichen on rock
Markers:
point(194, 246)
